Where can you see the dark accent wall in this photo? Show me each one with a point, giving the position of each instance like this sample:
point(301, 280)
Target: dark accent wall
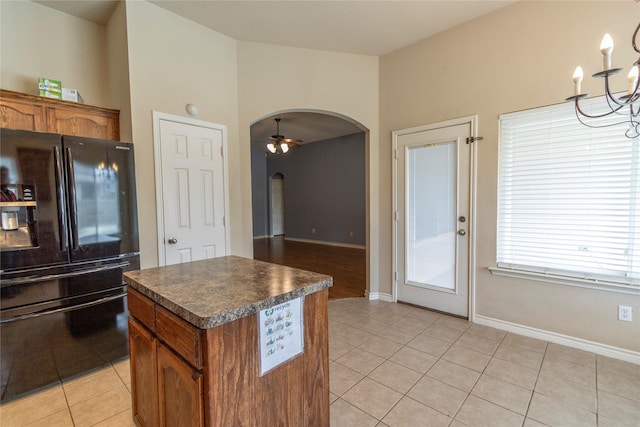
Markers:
point(324, 189)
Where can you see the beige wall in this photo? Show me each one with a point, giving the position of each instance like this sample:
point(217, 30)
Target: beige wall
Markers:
point(37, 41)
point(174, 62)
point(278, 78)
point(519, 57)
point(118, 69)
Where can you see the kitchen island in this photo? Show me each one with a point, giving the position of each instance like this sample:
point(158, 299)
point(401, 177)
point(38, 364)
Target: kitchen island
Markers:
point(201, 357)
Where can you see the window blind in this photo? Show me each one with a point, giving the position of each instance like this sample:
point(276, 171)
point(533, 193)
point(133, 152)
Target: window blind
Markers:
point(568, 196)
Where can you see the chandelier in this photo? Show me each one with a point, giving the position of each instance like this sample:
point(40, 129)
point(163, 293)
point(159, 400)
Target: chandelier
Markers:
point(626, 106)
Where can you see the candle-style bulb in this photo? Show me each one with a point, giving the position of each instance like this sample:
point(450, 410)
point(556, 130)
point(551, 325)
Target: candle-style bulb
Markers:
point(578, 74)
point(633, 78)
point(606, 47)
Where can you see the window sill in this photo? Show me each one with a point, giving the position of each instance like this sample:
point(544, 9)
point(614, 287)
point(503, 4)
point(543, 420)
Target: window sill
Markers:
point(568, 281)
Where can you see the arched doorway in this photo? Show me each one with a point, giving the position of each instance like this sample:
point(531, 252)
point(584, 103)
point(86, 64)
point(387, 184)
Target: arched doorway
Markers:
point(325, 199)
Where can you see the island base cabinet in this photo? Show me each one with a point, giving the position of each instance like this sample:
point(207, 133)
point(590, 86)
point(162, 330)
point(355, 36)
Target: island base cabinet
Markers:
point(227, 388)
point(143, 349)
point(180, 392)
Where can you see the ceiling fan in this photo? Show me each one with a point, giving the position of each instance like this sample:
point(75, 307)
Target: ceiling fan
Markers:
point(280, 144)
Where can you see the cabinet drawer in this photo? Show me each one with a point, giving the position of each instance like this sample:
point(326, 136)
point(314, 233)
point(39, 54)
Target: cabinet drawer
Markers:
point(181, 336)
point(141, 308)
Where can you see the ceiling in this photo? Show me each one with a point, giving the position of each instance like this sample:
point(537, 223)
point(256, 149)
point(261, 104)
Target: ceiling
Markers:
point(366, 27)
point(362, 27)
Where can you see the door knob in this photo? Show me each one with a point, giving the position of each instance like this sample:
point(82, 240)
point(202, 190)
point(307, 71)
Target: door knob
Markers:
point(462, 219)
point(462, 232)
point(172, 241)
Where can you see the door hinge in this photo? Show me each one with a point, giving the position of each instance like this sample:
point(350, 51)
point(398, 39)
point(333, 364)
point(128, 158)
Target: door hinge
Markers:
point(395, 215)
point(224, 221)
point(395, 154)
point(395, 275)
point(221, 151)
point(472, 139)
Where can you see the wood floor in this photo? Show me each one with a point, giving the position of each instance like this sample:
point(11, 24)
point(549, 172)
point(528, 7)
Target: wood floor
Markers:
point(347, 266)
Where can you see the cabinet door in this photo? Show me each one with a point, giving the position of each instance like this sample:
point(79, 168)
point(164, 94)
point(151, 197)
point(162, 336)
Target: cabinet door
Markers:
point(75, 121)
point(180, 390)
point(23, 115)
point(143, 348)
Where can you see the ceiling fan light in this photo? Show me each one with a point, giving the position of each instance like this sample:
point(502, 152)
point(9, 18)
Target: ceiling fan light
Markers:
point(271, 148)
point(285, 147)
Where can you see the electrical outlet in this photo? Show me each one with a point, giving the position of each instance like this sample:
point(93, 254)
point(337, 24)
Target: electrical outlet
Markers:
point(351, 234)
point(313, 231)
point(625, 313)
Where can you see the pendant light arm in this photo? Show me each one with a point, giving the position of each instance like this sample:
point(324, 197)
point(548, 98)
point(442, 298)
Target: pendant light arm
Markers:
point(610, 98)
point(597, 116)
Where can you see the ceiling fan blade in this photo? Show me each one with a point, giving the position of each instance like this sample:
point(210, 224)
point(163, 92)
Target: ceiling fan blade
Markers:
point(292, 141)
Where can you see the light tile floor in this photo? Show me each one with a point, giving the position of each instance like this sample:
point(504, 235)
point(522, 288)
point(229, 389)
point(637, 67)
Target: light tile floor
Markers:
point(396, 365)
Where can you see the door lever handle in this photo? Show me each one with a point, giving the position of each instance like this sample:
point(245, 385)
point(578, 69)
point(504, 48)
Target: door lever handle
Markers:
point(172, 241)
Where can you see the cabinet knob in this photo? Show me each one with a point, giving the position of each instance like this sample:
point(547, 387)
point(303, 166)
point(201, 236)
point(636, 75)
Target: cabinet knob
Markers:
point(462, 232)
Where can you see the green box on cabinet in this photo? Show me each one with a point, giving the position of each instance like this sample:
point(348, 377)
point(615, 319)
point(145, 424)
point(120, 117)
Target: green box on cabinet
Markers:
point(50, 88)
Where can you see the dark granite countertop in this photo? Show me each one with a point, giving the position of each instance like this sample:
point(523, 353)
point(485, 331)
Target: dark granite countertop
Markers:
point(211, 292)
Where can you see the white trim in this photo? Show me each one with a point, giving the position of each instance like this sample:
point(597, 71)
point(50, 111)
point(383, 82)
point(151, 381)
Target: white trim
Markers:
point(382, 296)
point(157, 154)
point(473, 125)
point(579, 343)
point(473, 192)
point(320, 242)
point(566, 280)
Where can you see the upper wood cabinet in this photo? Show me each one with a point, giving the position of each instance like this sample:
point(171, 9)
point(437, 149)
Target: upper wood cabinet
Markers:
point(40, 114)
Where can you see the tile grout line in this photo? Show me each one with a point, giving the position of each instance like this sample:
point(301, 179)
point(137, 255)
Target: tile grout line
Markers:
point(453, 418)
point(597, 396)
point(533, 391)
point(388, 359)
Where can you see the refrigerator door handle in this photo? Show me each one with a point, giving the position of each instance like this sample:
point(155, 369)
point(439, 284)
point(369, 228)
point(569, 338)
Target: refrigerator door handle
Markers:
point(72, 200)
point(62, 210)
point(65, 309)
point(34, 279)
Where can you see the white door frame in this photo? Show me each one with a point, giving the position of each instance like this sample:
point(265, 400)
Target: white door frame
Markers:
point(157, 155)
point(473, 124)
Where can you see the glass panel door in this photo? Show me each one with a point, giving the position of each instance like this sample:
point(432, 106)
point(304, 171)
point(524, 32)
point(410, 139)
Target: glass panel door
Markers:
point(432, 200)
point(431, 215)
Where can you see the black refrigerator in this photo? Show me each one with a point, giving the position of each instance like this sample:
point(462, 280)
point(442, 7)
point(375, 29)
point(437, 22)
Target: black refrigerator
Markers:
point(69, 230)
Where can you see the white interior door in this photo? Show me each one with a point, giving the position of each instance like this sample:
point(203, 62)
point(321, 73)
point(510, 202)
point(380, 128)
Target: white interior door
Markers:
point(277, 206)
point(192, 192)
point(432, 218)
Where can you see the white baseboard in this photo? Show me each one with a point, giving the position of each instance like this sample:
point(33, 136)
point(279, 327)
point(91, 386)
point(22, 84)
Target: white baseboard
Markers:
point(378, 296)
point(569, 341)
point(262, 237)
point(320, 242)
